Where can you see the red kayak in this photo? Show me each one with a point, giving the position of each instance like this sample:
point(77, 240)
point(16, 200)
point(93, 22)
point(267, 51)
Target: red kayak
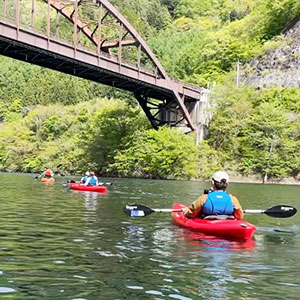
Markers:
point(87, 188)
point(230, 228)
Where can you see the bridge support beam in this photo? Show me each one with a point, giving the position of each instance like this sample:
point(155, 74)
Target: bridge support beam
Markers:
point(168, 113)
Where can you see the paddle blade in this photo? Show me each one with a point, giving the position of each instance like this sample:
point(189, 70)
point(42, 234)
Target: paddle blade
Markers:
point(136, 210)
point(281, 211)
point(65, 185)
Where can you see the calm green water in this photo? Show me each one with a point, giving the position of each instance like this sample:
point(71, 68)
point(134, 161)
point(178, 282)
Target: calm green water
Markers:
point(61, 244)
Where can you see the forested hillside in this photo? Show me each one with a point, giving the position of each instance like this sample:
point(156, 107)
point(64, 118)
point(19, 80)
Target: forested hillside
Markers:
point(68, 124)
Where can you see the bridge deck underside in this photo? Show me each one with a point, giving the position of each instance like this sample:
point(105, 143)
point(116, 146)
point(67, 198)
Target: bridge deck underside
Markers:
point(83, 70)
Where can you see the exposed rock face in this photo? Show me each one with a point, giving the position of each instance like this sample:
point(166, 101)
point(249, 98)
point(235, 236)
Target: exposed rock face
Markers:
point(280, 66)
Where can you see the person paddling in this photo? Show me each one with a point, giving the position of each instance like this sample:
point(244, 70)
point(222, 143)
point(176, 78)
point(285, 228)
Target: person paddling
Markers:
point(217, 203)
point(48, 176)
point(85, 177)
point(92, 180)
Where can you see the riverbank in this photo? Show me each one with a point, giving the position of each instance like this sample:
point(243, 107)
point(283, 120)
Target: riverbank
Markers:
point(236, 178)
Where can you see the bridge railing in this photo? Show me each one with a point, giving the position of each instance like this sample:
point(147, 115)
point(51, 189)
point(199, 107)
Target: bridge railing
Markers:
point(24, 17)
point(12, 12)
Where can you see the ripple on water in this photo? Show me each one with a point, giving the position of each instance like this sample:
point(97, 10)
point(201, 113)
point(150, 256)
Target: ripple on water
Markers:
point(6, 290)
point(134, 287)
point(107, 254)
point(152, 292)
point(290, 284)
point(50, 239)
point(179, 297)
point(59, 262)
point(78, 240)
point(80, 277)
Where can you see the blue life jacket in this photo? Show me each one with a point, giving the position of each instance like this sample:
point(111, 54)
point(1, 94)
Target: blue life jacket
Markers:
point(84, 179)
point(218, 203)
point(93, 181)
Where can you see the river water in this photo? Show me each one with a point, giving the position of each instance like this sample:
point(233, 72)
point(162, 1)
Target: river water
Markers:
point(61, 244)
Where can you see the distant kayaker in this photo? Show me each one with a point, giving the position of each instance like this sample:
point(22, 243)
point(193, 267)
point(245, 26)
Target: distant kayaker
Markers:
point(85, 177)
point(92, 180)
point(217, 201)
point(48, 172)
point(48, 176)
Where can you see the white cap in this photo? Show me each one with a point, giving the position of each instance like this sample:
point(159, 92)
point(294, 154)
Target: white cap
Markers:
point(221, 175)
point(87, 173)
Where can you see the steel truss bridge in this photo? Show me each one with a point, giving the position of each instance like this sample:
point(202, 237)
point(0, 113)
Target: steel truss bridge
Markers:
point(91, 39)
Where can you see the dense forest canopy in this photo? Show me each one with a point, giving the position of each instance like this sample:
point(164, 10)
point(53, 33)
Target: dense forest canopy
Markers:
point(70, 124)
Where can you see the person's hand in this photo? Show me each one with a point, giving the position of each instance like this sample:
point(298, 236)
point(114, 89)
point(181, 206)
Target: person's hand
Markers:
point(185, 210)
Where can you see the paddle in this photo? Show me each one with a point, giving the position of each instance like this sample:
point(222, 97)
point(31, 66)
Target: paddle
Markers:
point(105, 183)
point(136, 210)
point(279, 211)
point(99, 184)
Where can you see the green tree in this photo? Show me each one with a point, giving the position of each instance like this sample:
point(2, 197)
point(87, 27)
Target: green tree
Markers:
point(266, 143)
point(171, 5)
point(109, 130)
point(165, 153)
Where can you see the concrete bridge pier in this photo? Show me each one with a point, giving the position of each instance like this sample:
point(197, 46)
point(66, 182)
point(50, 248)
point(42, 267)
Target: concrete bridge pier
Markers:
point(200, 112)
point(201, 115)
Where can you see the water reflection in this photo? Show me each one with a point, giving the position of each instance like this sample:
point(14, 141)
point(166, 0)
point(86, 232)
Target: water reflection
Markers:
point(62, 244)
point(90, 201)
point(214, 244)
point(90, 198)
point(174, 253)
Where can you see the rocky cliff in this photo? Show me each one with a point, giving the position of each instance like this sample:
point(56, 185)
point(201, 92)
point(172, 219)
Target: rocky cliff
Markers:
point(280, 66)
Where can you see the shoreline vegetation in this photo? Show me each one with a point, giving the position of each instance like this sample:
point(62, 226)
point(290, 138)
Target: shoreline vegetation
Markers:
point(257, 180)
point(234, 178)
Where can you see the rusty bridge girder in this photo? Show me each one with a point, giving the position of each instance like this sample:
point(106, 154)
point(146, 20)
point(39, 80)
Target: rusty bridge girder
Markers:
point(103, 47)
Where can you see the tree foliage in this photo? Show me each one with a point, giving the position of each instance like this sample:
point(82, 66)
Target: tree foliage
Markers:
point(258, 129)
point(158, 154)
point(70, 124)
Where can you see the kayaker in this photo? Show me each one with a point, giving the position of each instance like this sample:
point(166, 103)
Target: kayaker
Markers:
point(92, 180)
point(48, 172)
point(48, 176)
point(216, 202)
point(85, 177)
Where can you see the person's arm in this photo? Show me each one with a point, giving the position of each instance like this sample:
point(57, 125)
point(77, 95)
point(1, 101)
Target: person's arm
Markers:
point(194, 210)
point(238, 211)
point(87, 181)
point(96, 180)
